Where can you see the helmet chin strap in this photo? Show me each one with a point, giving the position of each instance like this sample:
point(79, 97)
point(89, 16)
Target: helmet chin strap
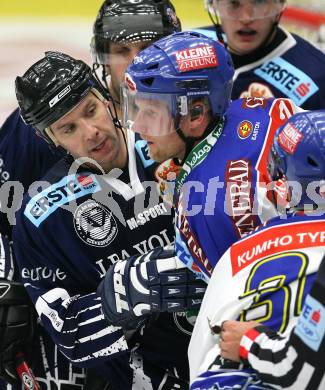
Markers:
point(53, 142)
point(270, 36)
point(51, 137)
point(112, 112)
point(217, 25)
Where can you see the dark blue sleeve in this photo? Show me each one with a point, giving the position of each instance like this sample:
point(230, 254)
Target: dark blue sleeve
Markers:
point(73, 319)
point(24, 157)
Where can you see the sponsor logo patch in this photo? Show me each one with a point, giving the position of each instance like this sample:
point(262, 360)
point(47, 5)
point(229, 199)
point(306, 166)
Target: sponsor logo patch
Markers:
point(85, 180)
point(94, 224)
point(244, 129)
point(59, 96)
point(147, 215)
point(196, 58)
point(253, 102)
point(270, 242)
point(288, 79)
point(142, 148)
point(289, 138)
point(71, 187)
point(27, 380)
point(311, 324)
point(239, 196)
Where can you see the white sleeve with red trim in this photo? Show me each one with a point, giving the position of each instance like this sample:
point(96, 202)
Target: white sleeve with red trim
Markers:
point(277, 361)
point(270, 355)
point(296, 360)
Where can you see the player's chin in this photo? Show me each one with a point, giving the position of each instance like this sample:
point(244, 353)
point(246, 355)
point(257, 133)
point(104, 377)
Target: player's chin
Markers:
point(244, 45)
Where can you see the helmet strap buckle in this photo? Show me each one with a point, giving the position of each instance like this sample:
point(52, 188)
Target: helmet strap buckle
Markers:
point(182, 105)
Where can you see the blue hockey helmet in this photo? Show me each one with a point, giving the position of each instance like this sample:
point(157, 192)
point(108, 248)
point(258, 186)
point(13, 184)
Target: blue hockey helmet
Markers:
point(298, 154)
point(172, 73)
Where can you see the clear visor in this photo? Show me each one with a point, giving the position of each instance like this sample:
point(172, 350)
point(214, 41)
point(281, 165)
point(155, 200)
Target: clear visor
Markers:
point(255, 9)
point(147, 113)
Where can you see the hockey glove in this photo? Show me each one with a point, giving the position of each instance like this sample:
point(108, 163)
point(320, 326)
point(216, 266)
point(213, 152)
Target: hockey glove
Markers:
point(141, 285)
point(17, 326)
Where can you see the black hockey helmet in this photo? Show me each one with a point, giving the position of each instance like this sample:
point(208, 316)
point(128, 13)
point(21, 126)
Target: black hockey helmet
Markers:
point(131, 21)
point(51, 87)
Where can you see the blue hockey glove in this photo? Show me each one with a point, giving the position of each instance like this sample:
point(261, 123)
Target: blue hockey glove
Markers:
point(141, 285)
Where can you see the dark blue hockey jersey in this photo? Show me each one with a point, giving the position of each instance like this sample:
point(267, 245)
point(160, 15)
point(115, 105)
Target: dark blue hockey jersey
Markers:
point(223, 182)
point(288, 67)
point(24, 157)
point(65, 239)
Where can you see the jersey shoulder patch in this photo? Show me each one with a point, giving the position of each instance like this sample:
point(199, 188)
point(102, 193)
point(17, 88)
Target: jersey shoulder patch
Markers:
point(141, 146)
point(71, 187)
point(286, 77)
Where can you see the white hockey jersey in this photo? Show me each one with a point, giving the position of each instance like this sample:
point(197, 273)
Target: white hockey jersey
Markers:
point(263, 277)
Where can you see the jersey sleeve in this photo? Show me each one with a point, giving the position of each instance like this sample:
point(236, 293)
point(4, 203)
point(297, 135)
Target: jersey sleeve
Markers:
point(279, 112)
point(19, 142)
point(293, 361)
point(267, 353)
point(24, 158)
point(75, 322)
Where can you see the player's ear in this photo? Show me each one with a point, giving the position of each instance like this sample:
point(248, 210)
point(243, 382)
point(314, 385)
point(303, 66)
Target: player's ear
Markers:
point(197, 111)
point(198, 118)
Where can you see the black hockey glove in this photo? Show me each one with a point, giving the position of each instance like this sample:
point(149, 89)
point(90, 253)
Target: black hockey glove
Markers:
point(17, 325)
point(141, 285)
